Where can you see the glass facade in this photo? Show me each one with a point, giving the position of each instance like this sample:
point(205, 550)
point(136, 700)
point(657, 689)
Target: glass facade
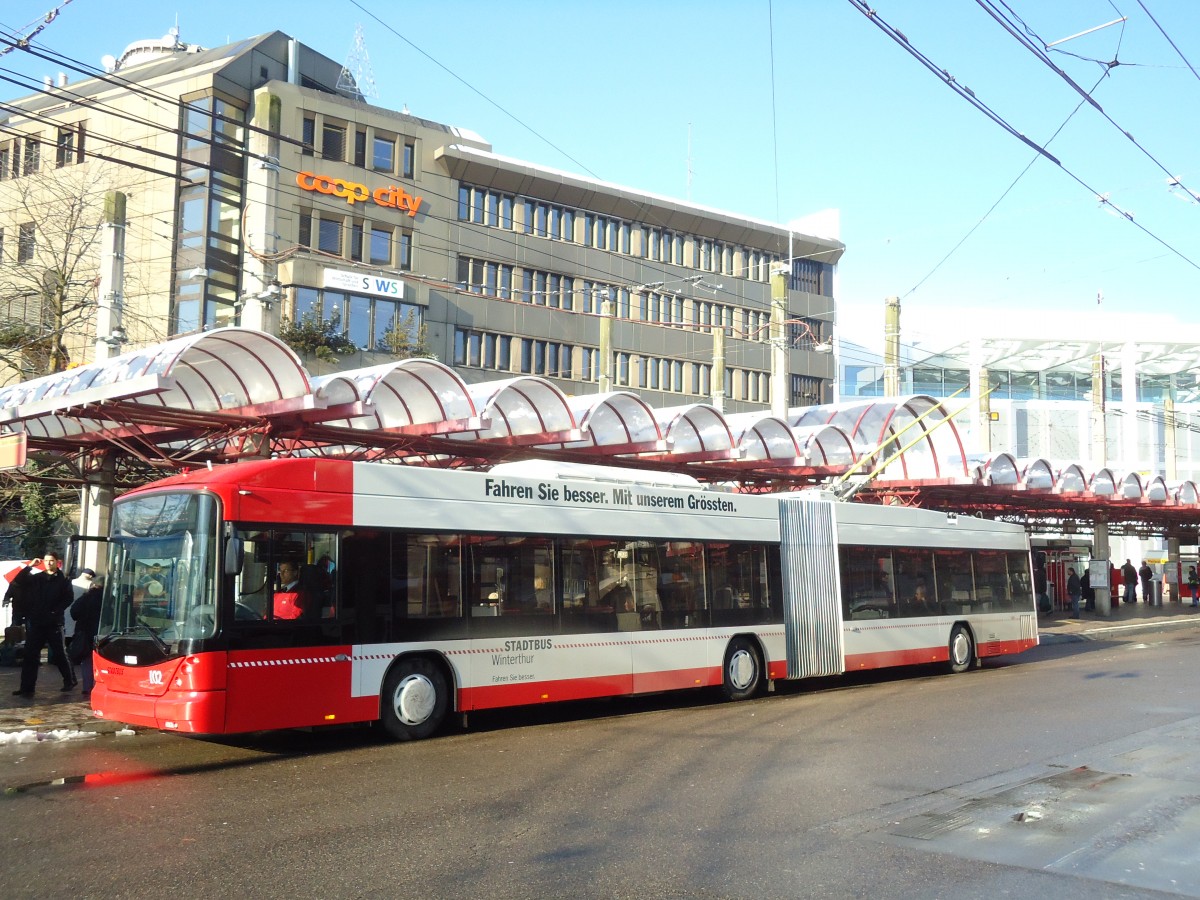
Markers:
point(208, 249)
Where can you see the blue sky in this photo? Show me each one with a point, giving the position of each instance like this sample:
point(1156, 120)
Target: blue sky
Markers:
point(797, 107)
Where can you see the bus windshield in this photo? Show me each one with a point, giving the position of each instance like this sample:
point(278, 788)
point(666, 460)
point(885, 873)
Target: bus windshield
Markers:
point(162, 577)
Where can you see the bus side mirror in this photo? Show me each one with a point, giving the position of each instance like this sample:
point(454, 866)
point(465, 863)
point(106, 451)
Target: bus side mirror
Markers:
point(235, 552)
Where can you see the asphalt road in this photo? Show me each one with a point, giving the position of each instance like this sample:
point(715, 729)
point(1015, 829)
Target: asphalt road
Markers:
point(1066, 772)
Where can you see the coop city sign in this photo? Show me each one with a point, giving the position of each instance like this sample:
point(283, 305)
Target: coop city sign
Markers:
point(353, 192)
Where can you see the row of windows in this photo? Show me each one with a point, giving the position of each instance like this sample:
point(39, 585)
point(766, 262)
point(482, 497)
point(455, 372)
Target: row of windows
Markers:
point(495, 209)
point(23, 156)
point(378, 585)
point(373, 148)
point(558, 291)
point(356, 239)
point(886, 582)
point(553, 359)
point(366, 321)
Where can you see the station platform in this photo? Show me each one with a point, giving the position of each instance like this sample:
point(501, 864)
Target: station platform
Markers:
point(1058, 626)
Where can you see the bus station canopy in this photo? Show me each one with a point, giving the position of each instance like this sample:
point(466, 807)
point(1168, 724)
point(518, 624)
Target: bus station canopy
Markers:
point(234, 393)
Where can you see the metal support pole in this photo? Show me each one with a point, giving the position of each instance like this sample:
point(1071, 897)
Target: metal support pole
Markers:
point(778, 338)
point(110, 304)
point(718, 369)
point(606, 351)
point(891, 347)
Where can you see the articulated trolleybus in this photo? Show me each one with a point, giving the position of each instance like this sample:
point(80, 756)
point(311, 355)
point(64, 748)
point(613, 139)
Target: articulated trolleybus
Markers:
point(300, 592)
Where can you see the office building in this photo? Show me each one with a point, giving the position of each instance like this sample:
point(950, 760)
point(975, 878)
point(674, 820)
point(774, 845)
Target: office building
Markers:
point(260, 188)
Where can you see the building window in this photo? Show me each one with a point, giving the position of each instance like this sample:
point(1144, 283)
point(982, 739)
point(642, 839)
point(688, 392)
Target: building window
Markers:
point(26, 242)
point(329, 236)
point(381, 246)
point(484, 207)
point(404, 251)
point(304, 231)
point(805, 391)
point(356, 241)
point(333, 142)
point(383, 158)
point(372, 323)
point(408, 167)
point(548, 220)
point(69, 149)
point(360, 148)
point(33, 153)
point(309, 136)
point(481, 276)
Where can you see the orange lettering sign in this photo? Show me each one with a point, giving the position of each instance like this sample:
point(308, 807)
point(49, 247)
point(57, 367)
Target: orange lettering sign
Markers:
point(353, 192)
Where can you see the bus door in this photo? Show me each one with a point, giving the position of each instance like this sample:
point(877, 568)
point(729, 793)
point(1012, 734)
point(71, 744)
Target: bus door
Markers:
point(288, 664)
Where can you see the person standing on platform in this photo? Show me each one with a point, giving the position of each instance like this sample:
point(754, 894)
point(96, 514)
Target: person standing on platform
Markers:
point(1129, 576)
point(1147, 577)
point(1074, 591)
point(45, 596)
point(86, 612)
point(1194, 585)
point(1089, 592)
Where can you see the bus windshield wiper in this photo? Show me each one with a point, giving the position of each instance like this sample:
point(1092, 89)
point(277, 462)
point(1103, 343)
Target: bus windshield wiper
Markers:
point(162, 645)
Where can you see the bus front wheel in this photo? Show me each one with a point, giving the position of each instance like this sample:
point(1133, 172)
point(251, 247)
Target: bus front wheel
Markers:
point(743, 670)
point(962, 649)
point(415, 699)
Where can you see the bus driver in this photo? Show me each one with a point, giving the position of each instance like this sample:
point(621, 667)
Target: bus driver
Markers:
point(287, 597)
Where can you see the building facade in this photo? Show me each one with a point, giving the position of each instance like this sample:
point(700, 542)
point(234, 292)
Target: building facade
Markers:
point(1127, 404)
point(260, 190)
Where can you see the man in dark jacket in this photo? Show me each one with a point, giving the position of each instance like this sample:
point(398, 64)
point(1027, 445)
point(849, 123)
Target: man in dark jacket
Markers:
point(1129, 576)
point(86, 613)
point(44, 597)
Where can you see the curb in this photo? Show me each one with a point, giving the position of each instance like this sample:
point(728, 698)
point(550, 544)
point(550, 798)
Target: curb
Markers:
point(33, 719)
point(1103, 631)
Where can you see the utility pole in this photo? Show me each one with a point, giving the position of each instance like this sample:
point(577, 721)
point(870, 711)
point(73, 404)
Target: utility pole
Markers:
point(110, 305)
point(778, 337)
point(606, 352)
point(891, 347)
point(718, 369)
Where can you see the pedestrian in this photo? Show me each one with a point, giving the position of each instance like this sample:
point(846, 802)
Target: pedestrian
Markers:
point(1147, 577)
point(1089, 592)
point(45, 597)
point(1040, 583)
point(79, 584)
point(1129, 576)
point(1194, 585)
point(86, 612)
point(1074, 590)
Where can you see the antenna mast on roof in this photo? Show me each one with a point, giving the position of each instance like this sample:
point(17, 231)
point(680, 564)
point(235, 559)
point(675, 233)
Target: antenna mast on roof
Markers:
point(356, 76)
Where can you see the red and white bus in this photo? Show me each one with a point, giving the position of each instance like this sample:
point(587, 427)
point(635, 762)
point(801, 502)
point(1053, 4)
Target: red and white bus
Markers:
point(415, 593)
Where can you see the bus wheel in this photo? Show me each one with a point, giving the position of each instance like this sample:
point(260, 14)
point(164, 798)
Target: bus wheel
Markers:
point(415, 699)
point(962, 649)
point(743, 670)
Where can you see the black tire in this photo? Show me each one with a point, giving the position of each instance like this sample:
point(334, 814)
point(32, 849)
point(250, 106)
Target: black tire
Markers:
point(415, 699)
point(962, 649)
point(743, 670)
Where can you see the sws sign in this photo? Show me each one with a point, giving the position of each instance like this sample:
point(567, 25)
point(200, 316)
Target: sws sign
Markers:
point(353, 192)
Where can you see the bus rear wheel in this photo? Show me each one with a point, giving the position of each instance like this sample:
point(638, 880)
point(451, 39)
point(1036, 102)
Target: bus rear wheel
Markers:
point(743, 670)
point(415, 699)
point(962, 649)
